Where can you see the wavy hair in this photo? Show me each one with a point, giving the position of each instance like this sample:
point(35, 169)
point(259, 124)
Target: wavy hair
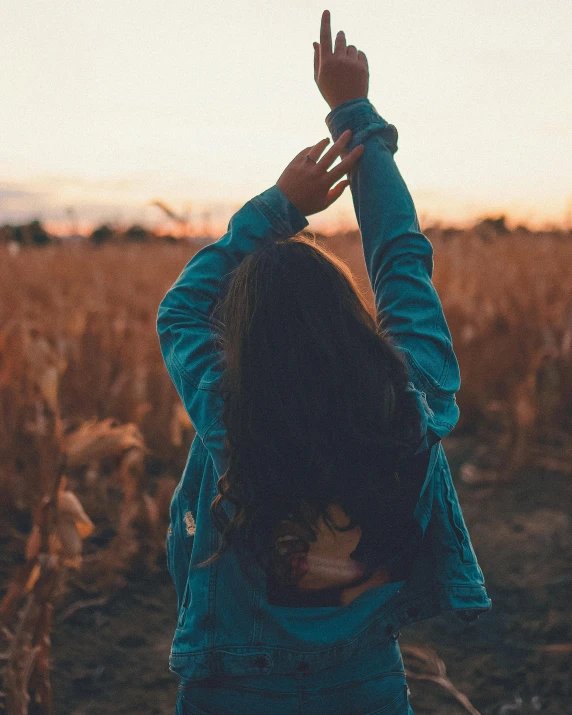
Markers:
point(315, 404)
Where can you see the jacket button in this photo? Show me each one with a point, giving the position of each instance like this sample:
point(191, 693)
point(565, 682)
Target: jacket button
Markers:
point(303, 667)
point(261, 661)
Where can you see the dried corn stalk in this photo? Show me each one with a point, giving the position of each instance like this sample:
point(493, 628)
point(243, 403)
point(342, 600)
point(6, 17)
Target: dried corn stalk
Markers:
point(94, 441)
point(423, 663)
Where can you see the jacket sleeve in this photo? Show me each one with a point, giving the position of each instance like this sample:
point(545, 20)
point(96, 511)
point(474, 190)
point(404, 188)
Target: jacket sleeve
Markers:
point(184, 325)
point(399, 261)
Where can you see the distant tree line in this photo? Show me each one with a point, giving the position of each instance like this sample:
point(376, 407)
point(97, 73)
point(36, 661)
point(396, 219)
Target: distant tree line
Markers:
point(32, 234)
point(35, 234)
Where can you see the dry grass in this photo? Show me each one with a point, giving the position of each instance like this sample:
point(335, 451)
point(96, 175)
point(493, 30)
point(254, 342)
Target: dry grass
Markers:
point(93, 436)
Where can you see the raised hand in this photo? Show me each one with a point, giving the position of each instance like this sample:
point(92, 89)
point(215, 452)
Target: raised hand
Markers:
point(307, 183)
point(341, 74)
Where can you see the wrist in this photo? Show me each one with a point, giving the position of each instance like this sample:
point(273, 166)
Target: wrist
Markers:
point(338, 103)
point(289, 196)
point(362, 118)
point(284, 215)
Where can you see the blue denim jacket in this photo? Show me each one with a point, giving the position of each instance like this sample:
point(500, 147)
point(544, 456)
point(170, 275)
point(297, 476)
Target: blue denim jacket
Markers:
point(225, 623)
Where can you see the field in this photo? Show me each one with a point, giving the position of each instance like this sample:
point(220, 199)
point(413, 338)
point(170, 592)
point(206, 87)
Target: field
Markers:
point(93, 440)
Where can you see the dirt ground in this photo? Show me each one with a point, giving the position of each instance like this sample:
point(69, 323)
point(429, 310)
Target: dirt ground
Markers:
point(113, 658)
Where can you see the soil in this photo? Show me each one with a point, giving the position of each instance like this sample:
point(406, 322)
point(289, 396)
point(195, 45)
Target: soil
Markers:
point(114, 658)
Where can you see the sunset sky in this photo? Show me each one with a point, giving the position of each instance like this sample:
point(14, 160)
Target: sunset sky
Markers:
point(108, 105)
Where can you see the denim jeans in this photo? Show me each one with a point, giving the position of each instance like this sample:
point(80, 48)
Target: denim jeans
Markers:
point(373, 683)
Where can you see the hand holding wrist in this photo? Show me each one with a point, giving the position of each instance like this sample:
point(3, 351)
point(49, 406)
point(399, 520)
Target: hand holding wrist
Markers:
point(306, 181)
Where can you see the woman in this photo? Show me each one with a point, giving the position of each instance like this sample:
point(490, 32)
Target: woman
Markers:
point(316, 515)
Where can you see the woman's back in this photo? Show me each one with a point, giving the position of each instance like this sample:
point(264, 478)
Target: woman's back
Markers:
point(337, 567)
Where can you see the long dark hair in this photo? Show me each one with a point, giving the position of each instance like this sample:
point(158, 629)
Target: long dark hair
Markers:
point(315, 404)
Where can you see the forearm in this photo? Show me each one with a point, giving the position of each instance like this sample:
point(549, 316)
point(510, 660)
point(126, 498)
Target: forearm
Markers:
point(184, 320)
point(399, 258)
point(384, 207)
point(268, 216)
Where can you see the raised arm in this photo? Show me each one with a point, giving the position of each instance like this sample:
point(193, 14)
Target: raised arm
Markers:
point(184, 325)
point(184, 321)
point(399, 258)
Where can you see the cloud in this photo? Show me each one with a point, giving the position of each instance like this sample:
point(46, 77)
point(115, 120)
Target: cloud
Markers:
point(7, 193)
point(18, 201)
point(49, 198)
point(18, 193)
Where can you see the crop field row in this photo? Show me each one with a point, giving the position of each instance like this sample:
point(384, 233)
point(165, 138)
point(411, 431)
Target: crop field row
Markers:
point(93, 437)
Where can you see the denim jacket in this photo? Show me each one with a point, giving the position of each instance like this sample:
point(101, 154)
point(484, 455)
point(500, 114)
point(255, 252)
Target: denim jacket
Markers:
point(225, 624)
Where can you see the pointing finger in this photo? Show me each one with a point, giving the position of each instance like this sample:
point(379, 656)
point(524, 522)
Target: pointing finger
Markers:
point(326, 34)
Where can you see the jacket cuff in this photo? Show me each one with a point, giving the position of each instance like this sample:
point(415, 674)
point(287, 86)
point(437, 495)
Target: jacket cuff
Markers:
point(285, 217)
point(356, 114)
